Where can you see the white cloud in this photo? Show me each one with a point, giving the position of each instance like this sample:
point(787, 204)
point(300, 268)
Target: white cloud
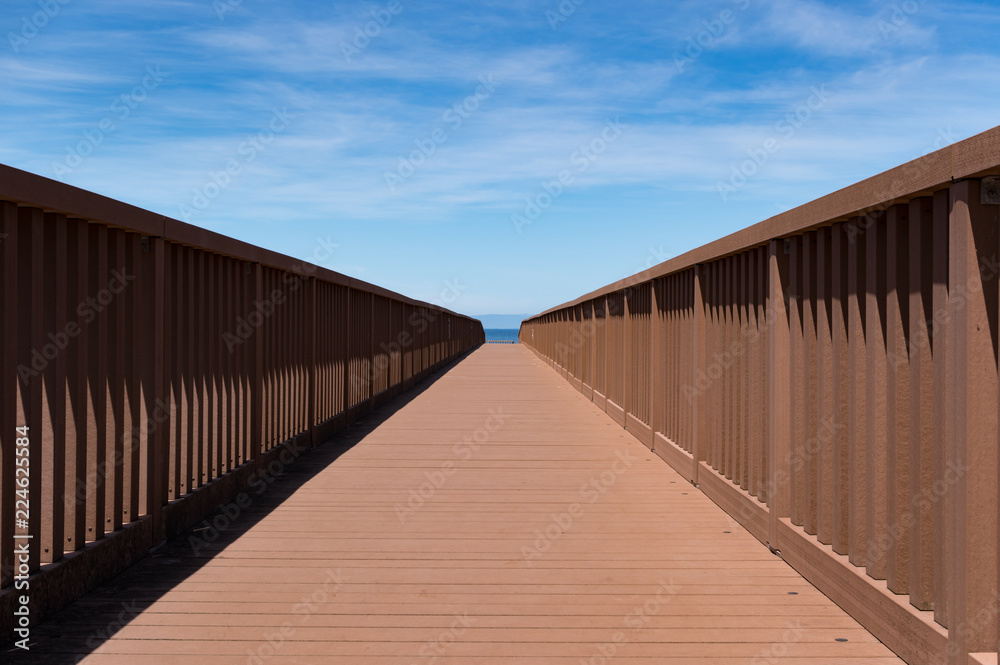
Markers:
point(836, 31)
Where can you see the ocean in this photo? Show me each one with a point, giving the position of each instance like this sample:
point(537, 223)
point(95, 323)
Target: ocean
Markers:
point(501, 335)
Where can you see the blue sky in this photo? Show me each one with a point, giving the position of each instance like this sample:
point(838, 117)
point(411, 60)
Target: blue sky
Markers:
point(503, 157)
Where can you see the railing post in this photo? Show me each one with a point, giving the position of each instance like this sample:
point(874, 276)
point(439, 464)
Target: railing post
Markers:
point(310, 325)
point(370, 375)
point(779, 423)
point(925, 543)
point(158, 459)
point(30, 394)
point(9, 381)
point(625, 356)
point(973, 400)
point(592, 348)
point(877, 396)
point(256, 369)
point(656, 378)
point(857, 407)
point(841, 388)
point(607, 351)
point(346, 321)
point(54, 471)
point(941, 371)
point(699, 416)
point(898, 492)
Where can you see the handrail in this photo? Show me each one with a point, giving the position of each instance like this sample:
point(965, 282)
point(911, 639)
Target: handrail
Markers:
point(160, 369)
point(974, 157)
point(28, 190)
point(830, 377)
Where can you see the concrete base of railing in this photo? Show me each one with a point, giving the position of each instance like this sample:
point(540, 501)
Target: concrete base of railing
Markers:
point(57, 585)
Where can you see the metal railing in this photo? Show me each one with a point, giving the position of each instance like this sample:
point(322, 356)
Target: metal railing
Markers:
point(829, 377)
point(157, 366)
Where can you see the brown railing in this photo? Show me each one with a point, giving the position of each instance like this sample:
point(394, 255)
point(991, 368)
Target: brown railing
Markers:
point(158, 367)
point(829, 377)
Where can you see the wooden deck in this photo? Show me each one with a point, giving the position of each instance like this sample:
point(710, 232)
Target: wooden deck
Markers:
point(495, 517)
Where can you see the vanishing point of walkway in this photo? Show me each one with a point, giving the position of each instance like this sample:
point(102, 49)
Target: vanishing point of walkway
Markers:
point(495, 517)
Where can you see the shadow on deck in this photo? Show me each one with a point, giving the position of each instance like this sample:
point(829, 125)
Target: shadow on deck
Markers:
point(490, 515)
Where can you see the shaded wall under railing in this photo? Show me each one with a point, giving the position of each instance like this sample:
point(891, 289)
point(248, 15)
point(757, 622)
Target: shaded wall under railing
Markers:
point(158, 366)
point(829, 377)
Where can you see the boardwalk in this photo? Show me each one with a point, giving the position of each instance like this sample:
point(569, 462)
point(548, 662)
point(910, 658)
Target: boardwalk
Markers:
point(495, 517)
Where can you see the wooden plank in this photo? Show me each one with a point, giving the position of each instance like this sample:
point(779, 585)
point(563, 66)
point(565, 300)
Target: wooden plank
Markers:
point(797, 387)
point(811, 443)
point(117, 402)
point(875, 390)
point(920, 256)
point(972, 414)
point(545, 561)
point(10, 386)
point(32, 406)
point(756, 388)
point(841, 390)
point(161, 284)
point(78, 465)
point(136, 440)
point(939, 348)
point(857, 396)
point(54, 471)
point(898, 511)
point(779, 386)
point(98, 379)
point(825, 377)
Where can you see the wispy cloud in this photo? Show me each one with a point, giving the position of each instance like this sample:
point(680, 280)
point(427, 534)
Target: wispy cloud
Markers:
point(895, 91)
point(844, 31)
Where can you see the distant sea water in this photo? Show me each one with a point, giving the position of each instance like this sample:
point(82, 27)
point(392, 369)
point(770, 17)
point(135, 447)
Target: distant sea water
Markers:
point(501, 335)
